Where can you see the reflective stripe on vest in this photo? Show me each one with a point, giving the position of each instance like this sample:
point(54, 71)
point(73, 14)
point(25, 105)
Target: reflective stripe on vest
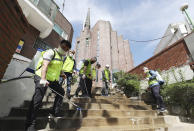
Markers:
point(54, 67)
point(151, 82)
point(68, 65)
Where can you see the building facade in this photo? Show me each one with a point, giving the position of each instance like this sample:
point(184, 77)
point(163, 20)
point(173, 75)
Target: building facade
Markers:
point(25, 26)
point(47, 27)
point(13, 26)
point(175, 63)
point(173, 33)
point(104, 43)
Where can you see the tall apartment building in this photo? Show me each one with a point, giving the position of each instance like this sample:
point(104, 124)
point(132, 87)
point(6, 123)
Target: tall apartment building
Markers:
point(104, 43)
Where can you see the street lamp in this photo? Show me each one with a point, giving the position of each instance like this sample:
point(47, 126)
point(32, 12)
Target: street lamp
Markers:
point(183, 9)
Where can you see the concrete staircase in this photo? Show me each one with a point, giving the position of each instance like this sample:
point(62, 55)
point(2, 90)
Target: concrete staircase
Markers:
point(112, 113)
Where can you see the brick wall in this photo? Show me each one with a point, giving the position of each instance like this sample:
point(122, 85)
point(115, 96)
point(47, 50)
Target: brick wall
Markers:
point(128, 56)
point(53, 39)
point(29, 40)
point(12, 26)
point(115, 51)
point(122, 61)
point(175, 55)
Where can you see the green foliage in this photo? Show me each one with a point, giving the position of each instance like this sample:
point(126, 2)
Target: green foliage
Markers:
point(167, 78)
point(180, 94)
point(129, 83)
point(173, 72)
point(181, 75)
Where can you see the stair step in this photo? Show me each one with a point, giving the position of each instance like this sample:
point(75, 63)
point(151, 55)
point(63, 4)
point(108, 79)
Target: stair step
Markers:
point(132, 106)
point(99, 101)
point(109, 97)
point(17, 112)
point(105, 101)
point(112, 106)
point(92, 100)
point(69, 122)
point(101, 113)
point(104, 98)
point(144, 127)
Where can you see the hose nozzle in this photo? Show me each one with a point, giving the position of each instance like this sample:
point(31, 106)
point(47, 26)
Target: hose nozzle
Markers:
point(78, 109)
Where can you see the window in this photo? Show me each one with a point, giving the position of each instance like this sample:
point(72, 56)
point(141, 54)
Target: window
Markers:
point(64, 35)
point(87, 41)
point(60, 31)
point(35, 2)
point(98, 33)
point(48, 7)
point(40, 44)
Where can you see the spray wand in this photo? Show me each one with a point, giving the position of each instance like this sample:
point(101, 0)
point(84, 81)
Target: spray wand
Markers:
point(77, 107)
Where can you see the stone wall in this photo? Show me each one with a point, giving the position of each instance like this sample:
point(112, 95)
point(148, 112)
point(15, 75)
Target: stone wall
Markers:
point(173, 75)
point(13, 93)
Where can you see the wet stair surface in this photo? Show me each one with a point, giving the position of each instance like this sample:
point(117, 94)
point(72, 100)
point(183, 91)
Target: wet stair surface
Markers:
point(111, 113)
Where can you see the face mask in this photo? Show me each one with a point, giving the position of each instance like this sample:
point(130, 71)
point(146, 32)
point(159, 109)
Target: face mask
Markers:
point(71, 55)
point(61, 51)
point(146, 71)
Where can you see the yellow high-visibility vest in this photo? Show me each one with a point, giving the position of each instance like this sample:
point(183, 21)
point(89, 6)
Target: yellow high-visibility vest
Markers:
point(88, 70)
point(68, 65)
point(54, 67)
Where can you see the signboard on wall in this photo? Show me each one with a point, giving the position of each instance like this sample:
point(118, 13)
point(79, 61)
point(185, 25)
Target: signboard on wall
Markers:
point(20, 45)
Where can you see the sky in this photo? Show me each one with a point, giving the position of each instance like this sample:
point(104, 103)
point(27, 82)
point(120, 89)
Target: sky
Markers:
point(134, 19)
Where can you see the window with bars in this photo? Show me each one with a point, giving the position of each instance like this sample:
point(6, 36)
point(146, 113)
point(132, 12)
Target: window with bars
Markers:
point(40, 44)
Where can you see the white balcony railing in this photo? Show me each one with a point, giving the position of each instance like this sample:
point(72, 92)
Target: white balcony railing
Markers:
point(48, 7)
point(38, 16)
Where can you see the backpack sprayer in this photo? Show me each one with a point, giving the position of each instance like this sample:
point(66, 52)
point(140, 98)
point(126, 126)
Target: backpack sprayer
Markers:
point(32, 69)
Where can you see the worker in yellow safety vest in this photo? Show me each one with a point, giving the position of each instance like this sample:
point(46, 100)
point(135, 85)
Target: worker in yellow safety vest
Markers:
point(154, 85)
point(69, 68)
point(94, 70)
point(47, 75)
point(106, 78)
point(85, 74)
